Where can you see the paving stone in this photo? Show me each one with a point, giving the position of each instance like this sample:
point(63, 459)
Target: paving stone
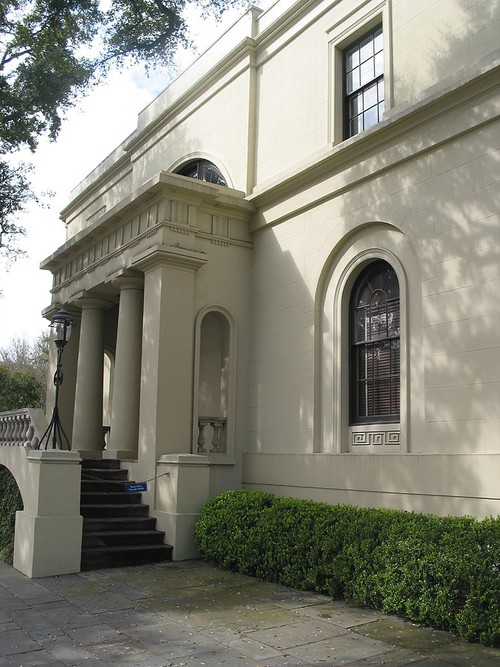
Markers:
point(32, 659)
point(342, 614)
point(341, 650)
point(397, 632)
point(242, 618)
point(17, 641)
point(94, 634)
point(296, 634)
point(34, 624)
point(69, 617)
point(71, 653)
point(122, 619)
point(99, 602)
point(115, 652)
point(393, 657)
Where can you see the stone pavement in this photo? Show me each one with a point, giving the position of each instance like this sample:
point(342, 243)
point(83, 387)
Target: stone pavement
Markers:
point(191, 614)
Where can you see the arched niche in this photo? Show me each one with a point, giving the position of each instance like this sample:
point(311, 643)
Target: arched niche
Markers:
point(213, 423)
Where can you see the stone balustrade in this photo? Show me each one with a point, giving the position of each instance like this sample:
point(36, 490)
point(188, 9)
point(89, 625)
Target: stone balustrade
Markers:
point(22, 428)
point(212, 435)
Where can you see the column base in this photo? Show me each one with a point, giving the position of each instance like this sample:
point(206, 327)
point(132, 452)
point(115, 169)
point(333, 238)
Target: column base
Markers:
point(120, 454)
point(90, 453)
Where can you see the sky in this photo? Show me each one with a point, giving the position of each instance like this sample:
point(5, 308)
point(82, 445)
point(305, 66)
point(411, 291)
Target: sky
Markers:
point(90, 132)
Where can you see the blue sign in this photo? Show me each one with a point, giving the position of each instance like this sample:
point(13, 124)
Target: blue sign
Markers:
point(136, 487)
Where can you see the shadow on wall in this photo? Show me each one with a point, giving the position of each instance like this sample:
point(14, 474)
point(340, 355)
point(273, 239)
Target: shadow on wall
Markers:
point(444, 197)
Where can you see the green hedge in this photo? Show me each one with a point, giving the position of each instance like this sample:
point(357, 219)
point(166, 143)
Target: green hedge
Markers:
point(440, 571)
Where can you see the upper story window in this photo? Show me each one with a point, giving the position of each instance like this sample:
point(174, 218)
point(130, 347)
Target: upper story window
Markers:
point(364, 82)
point(203, 170)
point(375, 345)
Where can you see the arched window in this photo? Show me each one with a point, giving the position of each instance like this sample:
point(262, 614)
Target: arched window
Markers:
point(375, 346)
point(203, 170)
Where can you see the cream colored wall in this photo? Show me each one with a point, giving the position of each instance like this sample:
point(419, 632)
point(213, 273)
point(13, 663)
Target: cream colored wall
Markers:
point(439, 208)
point(436, 39)
point(214, 127)
point(464, 484)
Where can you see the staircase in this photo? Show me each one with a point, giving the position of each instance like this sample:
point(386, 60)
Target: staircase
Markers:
point(117, 528)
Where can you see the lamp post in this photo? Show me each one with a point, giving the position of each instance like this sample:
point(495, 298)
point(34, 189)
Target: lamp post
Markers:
point(61, 326)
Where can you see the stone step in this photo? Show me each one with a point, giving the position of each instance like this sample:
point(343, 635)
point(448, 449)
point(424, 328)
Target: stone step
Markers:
point(119, 474)
point(107, 464)
point(103, 557)
point(111, 538)
point(104, 485)
point(110, 510)
point(94, 524)
point(109, 498)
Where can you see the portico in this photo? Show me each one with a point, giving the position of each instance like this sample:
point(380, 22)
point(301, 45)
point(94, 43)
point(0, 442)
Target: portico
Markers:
point(136, 281)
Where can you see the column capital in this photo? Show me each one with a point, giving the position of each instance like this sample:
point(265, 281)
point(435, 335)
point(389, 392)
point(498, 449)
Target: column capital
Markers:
point(128, 280)
point(169, 255)
point(86, 300)
point(49, 312)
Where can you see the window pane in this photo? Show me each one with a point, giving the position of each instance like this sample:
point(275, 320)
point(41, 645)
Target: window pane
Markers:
point(370, 97)
point(356, 125)
point(367, 72)
point(366, 48)
point(379, 41)
point(352, 80)
point(375, 339)
point(352, 59)
point(355, 105)
point(379, 64)
point(370, 118)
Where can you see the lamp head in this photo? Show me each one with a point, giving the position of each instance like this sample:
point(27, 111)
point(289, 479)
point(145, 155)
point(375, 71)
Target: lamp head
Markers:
point(61, 326)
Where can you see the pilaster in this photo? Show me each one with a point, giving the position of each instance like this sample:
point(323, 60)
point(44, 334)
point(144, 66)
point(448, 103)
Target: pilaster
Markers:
point(167, 350)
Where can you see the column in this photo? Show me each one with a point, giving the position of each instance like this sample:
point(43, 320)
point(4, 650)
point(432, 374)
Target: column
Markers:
point(124, 433)
point(166, 401)
point(88, 437)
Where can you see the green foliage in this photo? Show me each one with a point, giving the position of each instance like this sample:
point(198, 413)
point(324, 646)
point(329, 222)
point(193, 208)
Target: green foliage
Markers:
point(440, 571)
point(23, 372)
point(50, 50)
point(10, 503)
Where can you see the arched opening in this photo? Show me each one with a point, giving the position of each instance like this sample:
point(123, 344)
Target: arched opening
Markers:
point(107, 394)
point(202, 170)
point(214, 385)
point(374, 340)
point(10, 503)
point(372, 266)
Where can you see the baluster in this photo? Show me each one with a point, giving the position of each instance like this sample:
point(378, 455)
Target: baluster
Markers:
point(18, 430)
point(216, 439)
point(26, 425)
point(201, 437)
point(10, 429)
point(30, 433)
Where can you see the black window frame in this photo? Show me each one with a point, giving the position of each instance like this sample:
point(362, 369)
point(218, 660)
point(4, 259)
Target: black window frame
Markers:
point(375, 360)
point(363, 77)
point(202, 170)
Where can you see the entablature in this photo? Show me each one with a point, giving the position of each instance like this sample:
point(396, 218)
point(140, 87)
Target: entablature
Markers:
point(168, 210)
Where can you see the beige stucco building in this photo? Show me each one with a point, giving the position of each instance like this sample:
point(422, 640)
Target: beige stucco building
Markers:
point(288, 275)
